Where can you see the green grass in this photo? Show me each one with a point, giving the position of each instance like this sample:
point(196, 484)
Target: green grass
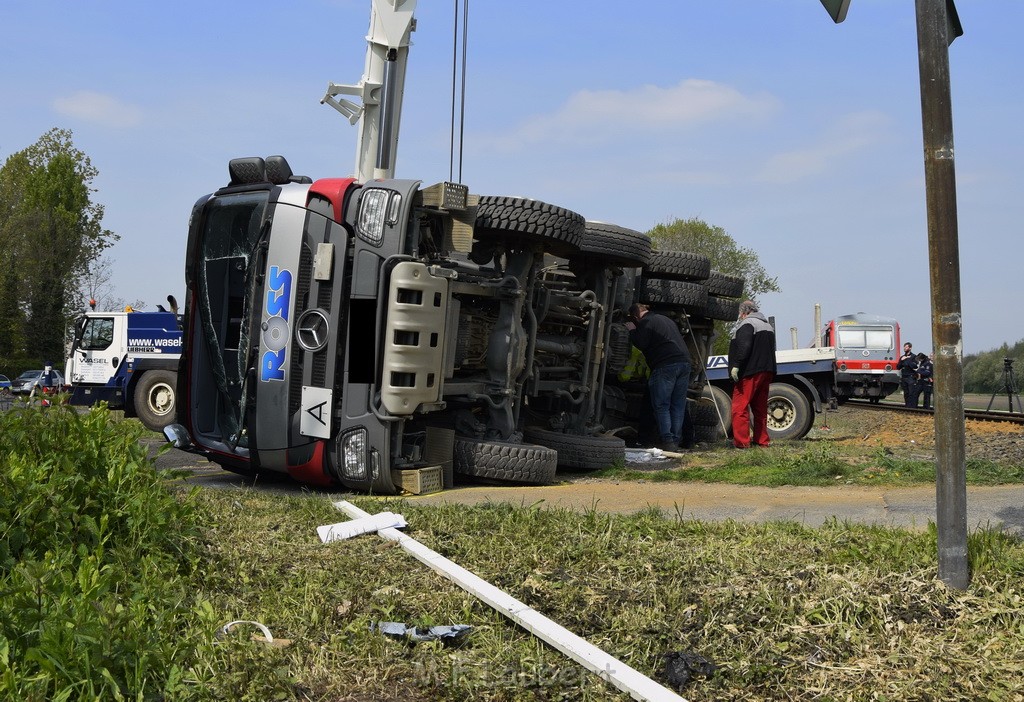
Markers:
point(810, 463)
point(115, 581)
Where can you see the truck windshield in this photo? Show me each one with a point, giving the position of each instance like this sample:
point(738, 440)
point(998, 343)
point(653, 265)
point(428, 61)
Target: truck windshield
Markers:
point(229, 242)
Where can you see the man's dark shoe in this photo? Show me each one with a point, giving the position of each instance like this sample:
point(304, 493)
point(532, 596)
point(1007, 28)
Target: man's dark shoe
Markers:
point(669, 447)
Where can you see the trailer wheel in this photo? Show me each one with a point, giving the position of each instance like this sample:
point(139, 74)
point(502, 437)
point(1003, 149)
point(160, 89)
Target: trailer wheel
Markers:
point(789, 412)
point(502, 460)
point(679, 265)
point(616, 245)
point(501, 218)
point(579, 452)
point(154, 399)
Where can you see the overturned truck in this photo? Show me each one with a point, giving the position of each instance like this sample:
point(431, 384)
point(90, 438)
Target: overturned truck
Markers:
point(369, 334)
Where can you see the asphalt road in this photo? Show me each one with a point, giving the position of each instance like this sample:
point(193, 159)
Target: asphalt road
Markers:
point(915, 507)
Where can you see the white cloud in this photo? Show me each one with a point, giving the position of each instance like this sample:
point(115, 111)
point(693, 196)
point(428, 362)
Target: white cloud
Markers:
point(592, 117)
point(849, 135)
point(99, 109)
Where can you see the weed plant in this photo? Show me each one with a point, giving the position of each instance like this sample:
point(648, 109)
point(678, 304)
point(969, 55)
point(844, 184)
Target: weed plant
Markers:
point(97, 560)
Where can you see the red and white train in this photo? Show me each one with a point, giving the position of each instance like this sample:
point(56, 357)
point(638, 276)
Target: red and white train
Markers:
point(867, 351)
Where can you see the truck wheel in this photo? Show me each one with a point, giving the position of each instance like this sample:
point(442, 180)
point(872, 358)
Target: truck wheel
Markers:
point(154, 399)
point(501, 460)
point(616, 245)
point(679, 265)
point(722, 308)
point(516, 218)
point(723, 413)
point(789, 412)
point(579, 452)
point(724, 285)
point(692, 297)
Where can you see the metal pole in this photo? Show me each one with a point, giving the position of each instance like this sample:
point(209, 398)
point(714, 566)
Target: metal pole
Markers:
point(944, 269)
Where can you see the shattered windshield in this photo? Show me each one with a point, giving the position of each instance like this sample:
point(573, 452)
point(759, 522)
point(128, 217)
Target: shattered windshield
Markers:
point(231, 236)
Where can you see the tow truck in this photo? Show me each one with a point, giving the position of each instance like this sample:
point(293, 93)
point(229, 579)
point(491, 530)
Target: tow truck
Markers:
point(128, 360)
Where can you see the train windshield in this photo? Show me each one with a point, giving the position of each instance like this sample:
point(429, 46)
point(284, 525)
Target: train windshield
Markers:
point(865, 338)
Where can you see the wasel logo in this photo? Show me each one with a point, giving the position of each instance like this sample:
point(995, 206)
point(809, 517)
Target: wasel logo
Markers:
point(275, 329)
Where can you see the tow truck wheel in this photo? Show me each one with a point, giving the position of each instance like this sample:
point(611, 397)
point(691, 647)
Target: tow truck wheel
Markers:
point(502, 460)
point(154, 399)
point(579, 452)
point(789, 412)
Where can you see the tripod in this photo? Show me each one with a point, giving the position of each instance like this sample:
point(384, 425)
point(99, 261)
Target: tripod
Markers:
point(1009, 387)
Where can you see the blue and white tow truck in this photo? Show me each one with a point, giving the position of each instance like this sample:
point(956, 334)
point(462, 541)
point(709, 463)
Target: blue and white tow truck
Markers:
point(128, 360)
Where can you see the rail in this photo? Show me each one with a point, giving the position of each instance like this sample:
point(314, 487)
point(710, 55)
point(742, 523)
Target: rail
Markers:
point(978, 414)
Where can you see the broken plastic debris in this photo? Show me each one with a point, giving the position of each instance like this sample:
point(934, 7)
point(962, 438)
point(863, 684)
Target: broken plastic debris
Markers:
point(362, 525)
point(645, 455)
point(267, 637)
point(447, 634)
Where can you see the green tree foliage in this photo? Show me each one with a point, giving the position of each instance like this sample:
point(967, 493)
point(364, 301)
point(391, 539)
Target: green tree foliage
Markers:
point(697, 236)
point(51, 231)
point(983, 372)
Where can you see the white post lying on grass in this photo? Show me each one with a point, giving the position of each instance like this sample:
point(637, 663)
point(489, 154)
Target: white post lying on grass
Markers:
point(627, 679)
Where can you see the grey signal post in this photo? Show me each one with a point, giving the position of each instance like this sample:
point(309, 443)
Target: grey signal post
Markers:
point(937, 26)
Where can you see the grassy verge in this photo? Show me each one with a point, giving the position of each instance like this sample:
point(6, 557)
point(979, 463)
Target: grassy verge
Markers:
point(818, 463)
point(115, 582)
point(782, 611)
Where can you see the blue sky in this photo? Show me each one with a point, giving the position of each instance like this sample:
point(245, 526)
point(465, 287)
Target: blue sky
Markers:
point(801, 138)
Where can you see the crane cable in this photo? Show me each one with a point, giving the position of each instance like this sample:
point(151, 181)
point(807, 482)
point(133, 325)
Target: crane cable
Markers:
point(458, 70)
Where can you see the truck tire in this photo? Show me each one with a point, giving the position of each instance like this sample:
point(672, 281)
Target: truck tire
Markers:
point(789, 412)
point(154, 399)
point(692, 297)
point(724, 285)
point(501, 218)
point(579, 452)
point(616, 245)
point(722, 308)
point(502, 460)
point(723, 413)
point(679, 265)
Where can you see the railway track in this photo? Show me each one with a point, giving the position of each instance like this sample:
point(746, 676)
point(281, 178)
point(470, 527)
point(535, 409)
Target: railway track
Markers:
point(969, 413)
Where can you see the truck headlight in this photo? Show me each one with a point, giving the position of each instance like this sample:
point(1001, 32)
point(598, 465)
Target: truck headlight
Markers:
point(354, 454)
point(377, 208)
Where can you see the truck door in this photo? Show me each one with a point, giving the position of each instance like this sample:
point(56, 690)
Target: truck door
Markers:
point(98, 353)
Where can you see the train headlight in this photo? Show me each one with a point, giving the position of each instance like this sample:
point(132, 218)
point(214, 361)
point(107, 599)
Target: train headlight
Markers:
point(888, 367)
point(354, 454)
point(842, 367)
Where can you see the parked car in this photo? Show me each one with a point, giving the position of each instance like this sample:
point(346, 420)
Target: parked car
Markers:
point(23, 384)
point(5, 385)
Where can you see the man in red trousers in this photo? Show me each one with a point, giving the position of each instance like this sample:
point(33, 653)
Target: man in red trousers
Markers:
point(752, 368)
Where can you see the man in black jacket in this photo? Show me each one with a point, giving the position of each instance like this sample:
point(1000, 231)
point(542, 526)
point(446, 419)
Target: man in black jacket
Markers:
point(662, 344)
point(907, 366)
point(752, 368)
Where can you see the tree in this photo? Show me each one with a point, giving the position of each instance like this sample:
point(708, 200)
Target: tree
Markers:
point(697, 236)
point(52, 230)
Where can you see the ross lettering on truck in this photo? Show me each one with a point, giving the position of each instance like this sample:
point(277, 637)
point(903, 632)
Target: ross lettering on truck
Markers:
point(275, 329)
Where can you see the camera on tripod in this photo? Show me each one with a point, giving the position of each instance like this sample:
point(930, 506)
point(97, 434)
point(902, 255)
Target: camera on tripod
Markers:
point(1007, 364)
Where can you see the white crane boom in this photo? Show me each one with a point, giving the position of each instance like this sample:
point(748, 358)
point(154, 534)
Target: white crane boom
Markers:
point(379, 90)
